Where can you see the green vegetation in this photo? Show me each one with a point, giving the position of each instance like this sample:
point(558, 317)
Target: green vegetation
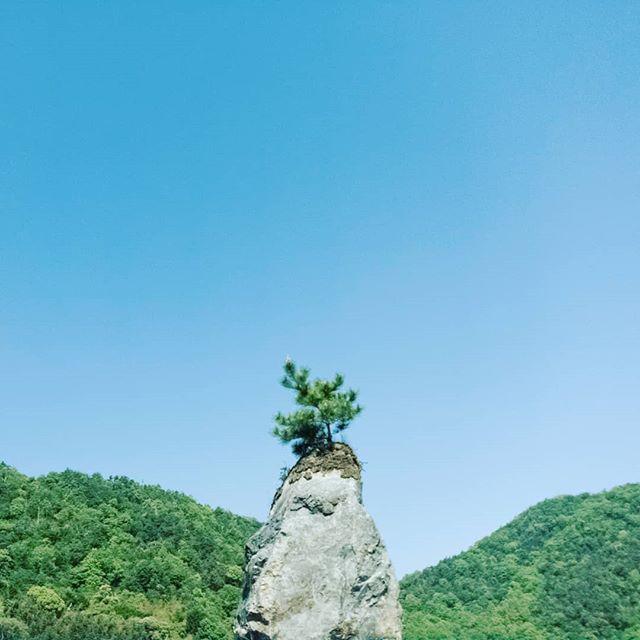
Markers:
point(325, 411)
point(84, 558)
point(566, 569)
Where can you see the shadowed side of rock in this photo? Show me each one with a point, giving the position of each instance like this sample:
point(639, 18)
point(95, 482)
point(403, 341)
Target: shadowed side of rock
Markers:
point(318, 570)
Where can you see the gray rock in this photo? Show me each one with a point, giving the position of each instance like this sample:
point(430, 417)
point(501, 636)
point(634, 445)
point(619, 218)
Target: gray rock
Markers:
point(318, 570)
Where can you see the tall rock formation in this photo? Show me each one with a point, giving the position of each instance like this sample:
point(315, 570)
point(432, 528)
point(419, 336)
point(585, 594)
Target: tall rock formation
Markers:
point(318, 570)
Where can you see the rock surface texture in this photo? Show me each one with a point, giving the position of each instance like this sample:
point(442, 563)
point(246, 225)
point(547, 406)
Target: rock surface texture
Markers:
point(318, 570)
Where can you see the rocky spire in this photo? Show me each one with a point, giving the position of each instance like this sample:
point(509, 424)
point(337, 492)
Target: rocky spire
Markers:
point(318, 570)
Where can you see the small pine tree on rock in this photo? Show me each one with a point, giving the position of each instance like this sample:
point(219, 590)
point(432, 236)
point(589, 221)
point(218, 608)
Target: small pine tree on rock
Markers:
point(325, 410)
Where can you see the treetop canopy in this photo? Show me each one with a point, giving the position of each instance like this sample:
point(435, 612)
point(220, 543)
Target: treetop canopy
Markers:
point(325, 410)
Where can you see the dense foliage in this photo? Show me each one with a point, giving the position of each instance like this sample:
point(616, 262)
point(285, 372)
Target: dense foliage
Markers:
point(84, 558)
point(566, 569)
point(325, 410)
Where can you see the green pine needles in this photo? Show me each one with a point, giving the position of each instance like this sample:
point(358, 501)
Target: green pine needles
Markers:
point(325, 410)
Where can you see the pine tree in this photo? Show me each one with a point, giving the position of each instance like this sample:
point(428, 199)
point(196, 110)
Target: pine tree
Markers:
point(325, 410)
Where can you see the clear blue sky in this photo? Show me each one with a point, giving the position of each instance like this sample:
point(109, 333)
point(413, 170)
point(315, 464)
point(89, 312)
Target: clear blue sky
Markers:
point(440, 200)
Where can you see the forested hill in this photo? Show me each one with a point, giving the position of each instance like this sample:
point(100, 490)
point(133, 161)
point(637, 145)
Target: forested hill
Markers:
point(85, 558)
point(566, 569)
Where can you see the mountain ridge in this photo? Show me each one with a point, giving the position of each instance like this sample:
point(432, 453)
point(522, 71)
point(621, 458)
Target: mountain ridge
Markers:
point(564, 568)
point(83, 557)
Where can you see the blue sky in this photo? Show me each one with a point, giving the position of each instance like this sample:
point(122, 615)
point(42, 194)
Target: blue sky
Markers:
point(440, 200)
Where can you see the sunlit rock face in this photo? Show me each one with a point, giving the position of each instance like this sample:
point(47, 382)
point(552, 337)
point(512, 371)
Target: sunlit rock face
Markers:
point(318, 570)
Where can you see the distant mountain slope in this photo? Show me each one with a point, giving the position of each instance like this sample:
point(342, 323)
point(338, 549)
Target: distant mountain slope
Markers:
point(566, 569)
point(85, 558)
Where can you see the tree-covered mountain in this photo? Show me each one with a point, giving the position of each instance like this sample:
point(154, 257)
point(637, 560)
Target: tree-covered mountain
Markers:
point(86, 558)
point(566, 569)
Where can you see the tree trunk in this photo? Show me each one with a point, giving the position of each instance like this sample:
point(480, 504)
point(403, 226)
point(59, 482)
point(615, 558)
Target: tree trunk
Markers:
point(329, 437)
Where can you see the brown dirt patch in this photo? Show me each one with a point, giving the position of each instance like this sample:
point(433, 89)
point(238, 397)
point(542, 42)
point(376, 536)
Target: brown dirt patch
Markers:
point(340, 457)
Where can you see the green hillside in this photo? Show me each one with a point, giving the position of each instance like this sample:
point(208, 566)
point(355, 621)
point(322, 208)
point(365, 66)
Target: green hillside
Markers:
point(566, 569)
point(84, 558)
